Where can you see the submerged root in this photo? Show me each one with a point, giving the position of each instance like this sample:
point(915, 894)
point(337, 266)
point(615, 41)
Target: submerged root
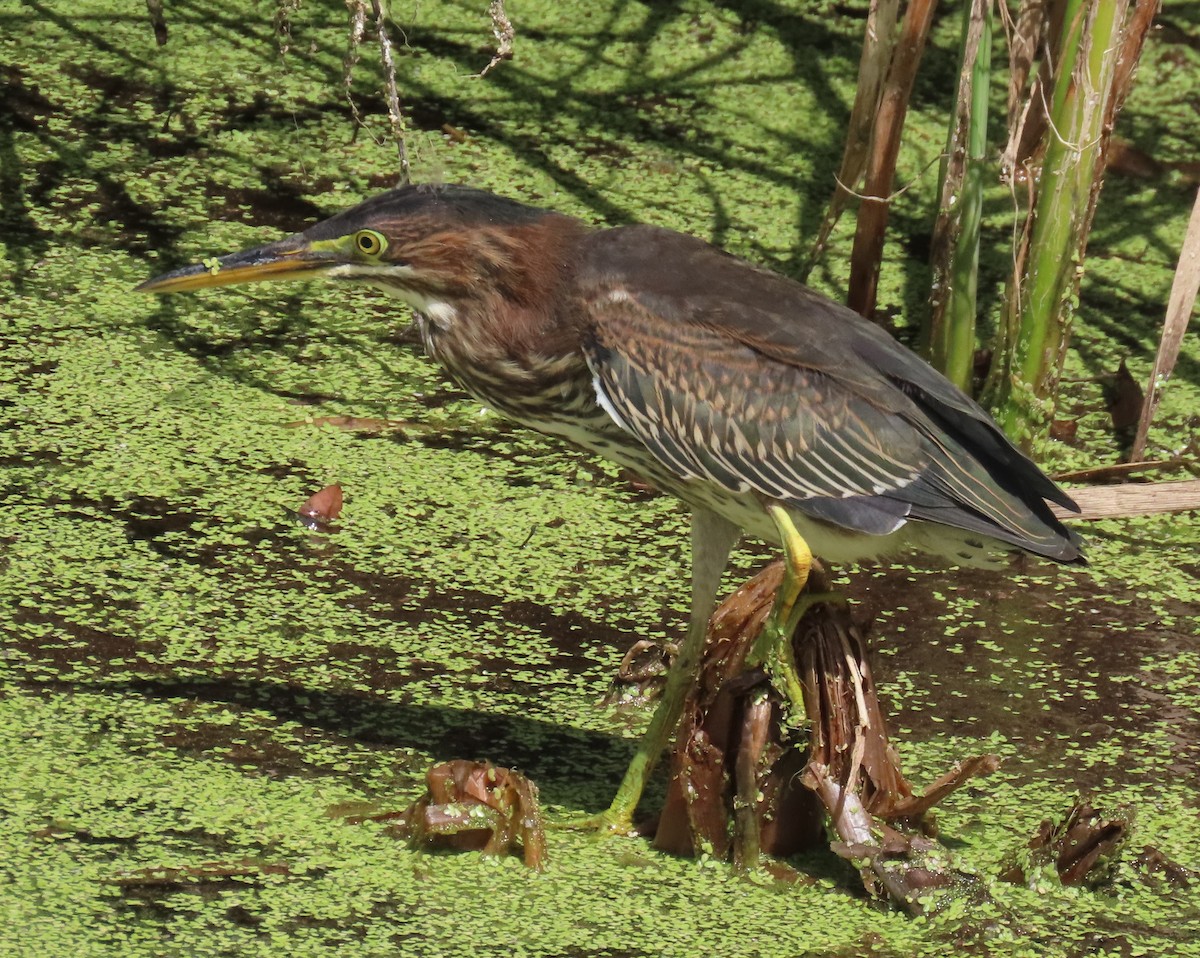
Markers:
point(744, 783)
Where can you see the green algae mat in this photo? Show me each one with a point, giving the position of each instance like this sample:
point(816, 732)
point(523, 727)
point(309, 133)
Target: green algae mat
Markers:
point(194, 688)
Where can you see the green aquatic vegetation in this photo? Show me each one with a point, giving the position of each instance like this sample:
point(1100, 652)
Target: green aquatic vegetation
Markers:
point(191, 677)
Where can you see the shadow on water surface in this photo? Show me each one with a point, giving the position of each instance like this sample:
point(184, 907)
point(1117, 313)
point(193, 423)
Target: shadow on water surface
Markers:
point(565, 762)
point(1052, 663)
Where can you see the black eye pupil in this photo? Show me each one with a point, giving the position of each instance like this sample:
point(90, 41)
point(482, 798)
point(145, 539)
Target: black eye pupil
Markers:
point(367, 243)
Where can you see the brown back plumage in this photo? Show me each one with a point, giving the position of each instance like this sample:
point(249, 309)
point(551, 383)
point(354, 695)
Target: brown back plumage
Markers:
point(744, 378)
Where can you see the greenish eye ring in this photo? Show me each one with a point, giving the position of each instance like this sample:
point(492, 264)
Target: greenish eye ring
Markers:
point(369, 242)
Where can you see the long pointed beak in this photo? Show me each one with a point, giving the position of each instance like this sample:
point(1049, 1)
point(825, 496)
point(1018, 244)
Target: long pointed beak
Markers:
point(290, 258)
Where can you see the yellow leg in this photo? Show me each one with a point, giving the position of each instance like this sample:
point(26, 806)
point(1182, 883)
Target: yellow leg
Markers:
point(712, 538)
point(773, 647)
point(617, 819)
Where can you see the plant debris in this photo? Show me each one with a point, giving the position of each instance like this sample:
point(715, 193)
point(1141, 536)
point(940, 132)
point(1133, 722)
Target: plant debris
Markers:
point(1082, 848)
point(744, 783)
point(321, 508)
point(1125, 400)
point(641, 674)
point(1156, 869)
point(473, 806)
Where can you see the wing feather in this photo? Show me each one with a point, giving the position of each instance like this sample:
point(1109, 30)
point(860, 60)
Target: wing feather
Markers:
point(794, 442)
point(737, 376)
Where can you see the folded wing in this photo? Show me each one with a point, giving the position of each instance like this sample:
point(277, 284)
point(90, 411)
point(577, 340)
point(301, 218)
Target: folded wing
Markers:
point(754, 382)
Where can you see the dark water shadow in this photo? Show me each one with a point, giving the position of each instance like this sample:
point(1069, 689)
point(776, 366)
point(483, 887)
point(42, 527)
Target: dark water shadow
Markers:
point(572, 767)
point(1052, 663)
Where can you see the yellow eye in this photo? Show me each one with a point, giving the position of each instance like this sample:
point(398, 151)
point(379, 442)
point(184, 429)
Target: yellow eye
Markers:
point(370, 242)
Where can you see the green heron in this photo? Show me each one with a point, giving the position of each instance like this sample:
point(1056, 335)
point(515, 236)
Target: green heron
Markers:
point(766, 407)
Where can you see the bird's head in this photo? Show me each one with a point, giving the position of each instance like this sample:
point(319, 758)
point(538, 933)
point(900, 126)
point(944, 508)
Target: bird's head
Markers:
point(435, 247)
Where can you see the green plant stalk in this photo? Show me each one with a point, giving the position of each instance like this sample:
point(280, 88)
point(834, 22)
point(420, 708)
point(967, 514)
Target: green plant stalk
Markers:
point(950, 334)
point(1062, 219)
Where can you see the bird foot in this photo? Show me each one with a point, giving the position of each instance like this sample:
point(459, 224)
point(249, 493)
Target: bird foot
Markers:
point(606, 824)
point(807, 601)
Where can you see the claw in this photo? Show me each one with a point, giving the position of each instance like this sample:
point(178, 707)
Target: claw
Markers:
point(606, 824)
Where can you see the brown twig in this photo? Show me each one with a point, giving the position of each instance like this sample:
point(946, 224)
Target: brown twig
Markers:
point(885, 147)
point(358, 27)
point(157, 21)
point(395, 116)
point(504, 33)
point(284, 9)
point(915, 806)
point(878, 43)
point(1179, 309)
point(1116, 470)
